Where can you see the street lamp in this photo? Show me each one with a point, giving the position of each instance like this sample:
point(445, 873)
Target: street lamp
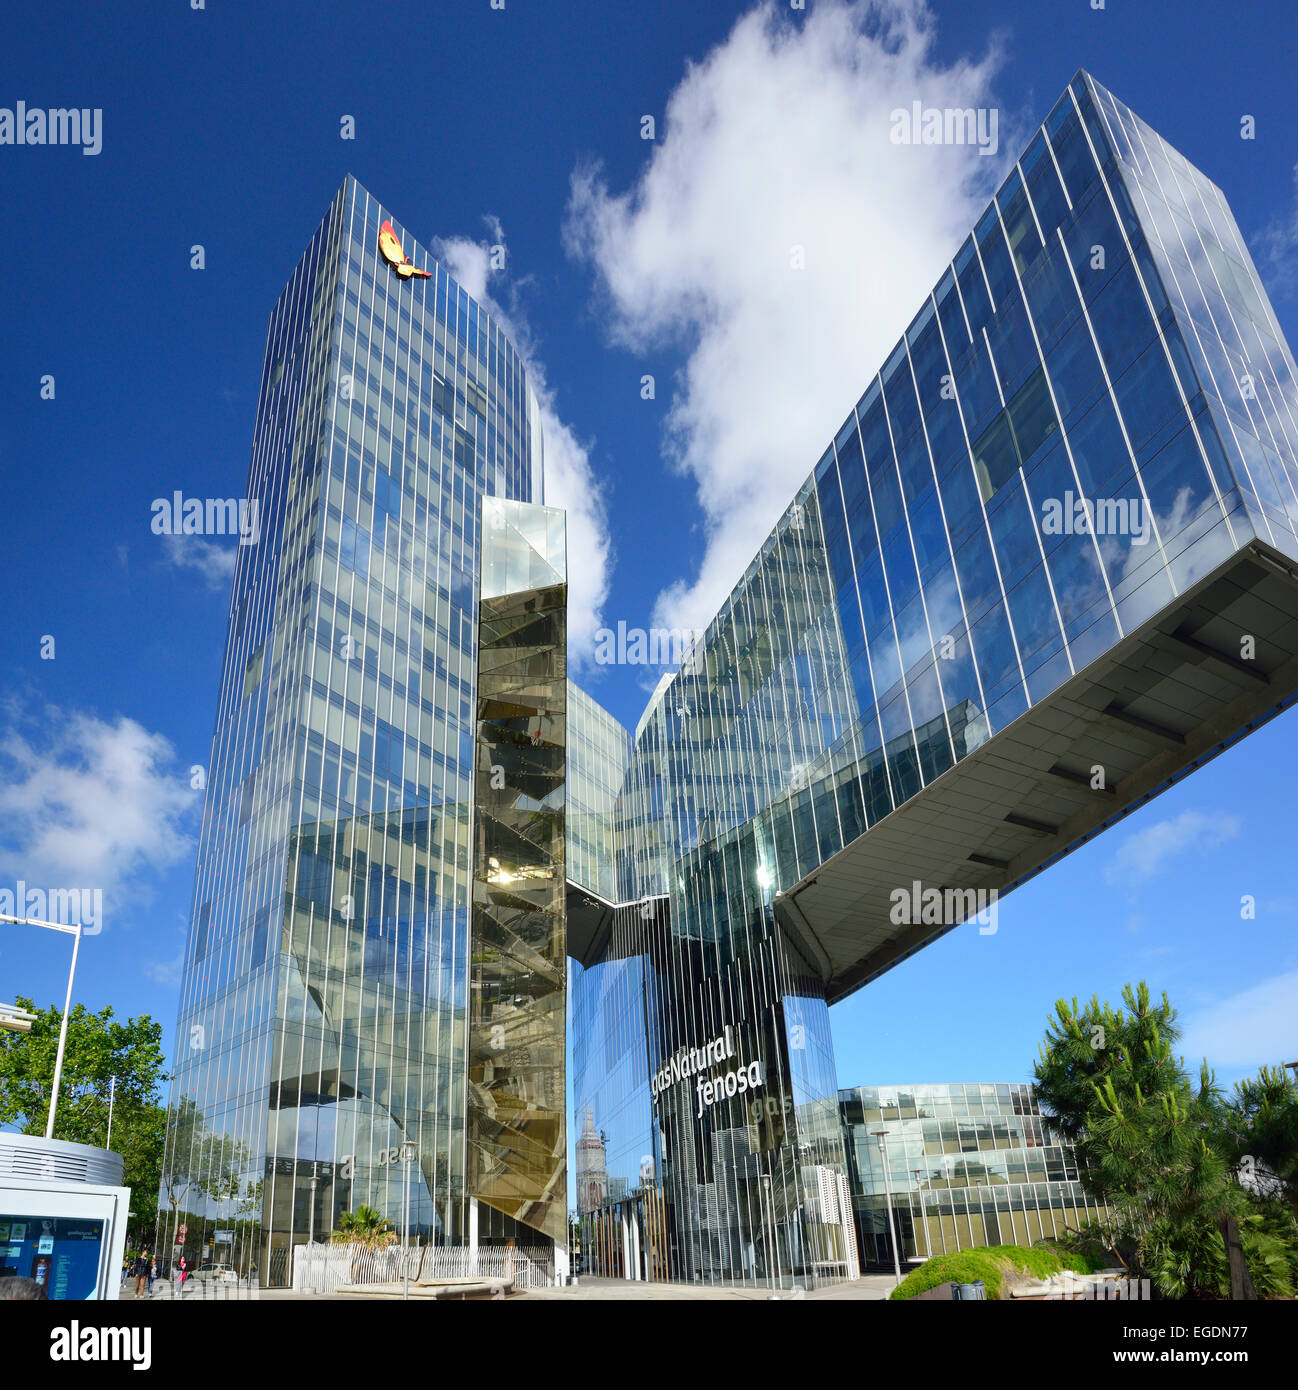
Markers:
point(313, 1182)
point(923, 1211)
point(408, 1151)
point(772, 1238)
point(75, 932)
point(882, 1136)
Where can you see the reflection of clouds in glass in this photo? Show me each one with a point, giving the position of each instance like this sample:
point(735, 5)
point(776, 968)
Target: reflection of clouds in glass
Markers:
point(1122, 557)
point(1194, 558)
point(925, 698)
point(944, 616)
point(1079, 587)
point(1197, 556)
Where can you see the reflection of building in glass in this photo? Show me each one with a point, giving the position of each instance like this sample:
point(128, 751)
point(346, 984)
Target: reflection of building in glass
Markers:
point(967, 1165)
point(591, 1168)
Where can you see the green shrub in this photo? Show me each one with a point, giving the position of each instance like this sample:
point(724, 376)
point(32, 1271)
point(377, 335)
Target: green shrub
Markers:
point(1093, 1240)
point(1190, 1262)
point(991, 1263)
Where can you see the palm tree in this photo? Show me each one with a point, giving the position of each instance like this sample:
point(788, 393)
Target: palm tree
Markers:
point(364, 1226)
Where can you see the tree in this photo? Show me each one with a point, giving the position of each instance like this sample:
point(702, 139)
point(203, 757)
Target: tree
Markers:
point(1084, 1047)
point(99, 1047)
point(1262, 1124)
point(364, 1226)
point(1159, 1151)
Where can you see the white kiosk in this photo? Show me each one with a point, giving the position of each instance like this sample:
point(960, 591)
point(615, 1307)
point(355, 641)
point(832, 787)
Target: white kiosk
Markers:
point(63, 1216)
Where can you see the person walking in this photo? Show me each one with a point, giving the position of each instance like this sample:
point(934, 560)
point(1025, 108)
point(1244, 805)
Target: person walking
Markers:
point(184, 1270)
point(153, 1274)
point(142, 1267)
point(126, 1270)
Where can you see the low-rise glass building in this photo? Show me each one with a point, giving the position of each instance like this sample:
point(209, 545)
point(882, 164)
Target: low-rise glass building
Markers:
point(971, 1164)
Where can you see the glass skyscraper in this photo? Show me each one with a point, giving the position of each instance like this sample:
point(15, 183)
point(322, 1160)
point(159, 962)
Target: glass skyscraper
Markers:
point(1046, 566)
point(325, 1006)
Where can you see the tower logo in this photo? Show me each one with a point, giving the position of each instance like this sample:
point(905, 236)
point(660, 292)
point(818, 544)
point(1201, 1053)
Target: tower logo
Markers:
point(390, 250)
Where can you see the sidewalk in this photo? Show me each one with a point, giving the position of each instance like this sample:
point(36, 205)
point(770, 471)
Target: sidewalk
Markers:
point(870, 1287)
point(875, 1287)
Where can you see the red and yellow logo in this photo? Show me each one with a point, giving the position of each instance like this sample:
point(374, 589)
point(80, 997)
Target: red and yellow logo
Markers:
point(390, 250)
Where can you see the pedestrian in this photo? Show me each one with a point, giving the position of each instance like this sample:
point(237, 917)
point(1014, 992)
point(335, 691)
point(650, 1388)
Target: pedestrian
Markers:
point(126, 1270)
point(184, 1270)
point(142, 1267)
point(153, 1274)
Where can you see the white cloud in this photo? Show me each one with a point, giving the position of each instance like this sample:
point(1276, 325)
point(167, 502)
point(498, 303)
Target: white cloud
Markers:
point(98, 804)
point(215, 563)
point(166, 972)
point(1146, 853)
point(469, 261)
point(780, 138)
point(570, 481)
point(1247, 1029)
point(1277, 248)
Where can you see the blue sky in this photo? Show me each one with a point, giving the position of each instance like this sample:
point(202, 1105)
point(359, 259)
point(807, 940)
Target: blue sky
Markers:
point(626, 257)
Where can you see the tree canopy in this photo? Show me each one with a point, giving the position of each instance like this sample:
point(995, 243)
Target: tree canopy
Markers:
point(100, 1046)
point(1191, 1179)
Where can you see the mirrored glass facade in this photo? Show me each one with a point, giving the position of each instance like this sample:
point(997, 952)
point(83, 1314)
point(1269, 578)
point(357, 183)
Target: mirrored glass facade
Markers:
point(517, 973)
point(1087, 426)
point(1033, 547)
point(323, 1019)
point(966, 1165)
point(600, 749)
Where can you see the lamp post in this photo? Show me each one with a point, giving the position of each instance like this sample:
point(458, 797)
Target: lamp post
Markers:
point(112, 1095)
point(408, 1151)
point(313, 1182)
point(772, 1239)
point(923, 1211)
point(75, 932)
point(882, 1136)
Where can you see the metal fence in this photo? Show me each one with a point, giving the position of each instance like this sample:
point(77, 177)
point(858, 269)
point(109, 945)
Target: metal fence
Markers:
point(322, 1268)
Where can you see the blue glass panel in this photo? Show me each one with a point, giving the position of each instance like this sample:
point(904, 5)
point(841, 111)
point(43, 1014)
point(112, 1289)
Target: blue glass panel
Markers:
point(973, 288)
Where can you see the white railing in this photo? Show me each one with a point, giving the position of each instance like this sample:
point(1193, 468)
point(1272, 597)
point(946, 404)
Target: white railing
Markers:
point(322, 1268)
